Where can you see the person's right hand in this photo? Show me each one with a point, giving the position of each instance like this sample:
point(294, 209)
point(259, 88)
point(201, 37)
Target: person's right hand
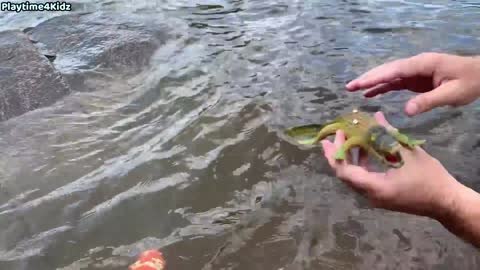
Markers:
point(422, 186)
point(442, 80)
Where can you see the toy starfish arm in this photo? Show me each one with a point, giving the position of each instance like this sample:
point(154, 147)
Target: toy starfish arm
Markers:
point(312, 134)
point(351, 142)
point(404, 139)
point(327, 131)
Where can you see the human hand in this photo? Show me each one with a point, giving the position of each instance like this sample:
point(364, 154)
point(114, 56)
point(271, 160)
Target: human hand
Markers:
point(422, 186)
point(442, 79)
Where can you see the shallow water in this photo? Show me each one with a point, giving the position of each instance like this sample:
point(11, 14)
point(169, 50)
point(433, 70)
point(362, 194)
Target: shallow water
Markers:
point(189, 157)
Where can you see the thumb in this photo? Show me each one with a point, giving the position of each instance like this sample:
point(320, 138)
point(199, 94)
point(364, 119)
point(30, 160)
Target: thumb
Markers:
point(445, 94)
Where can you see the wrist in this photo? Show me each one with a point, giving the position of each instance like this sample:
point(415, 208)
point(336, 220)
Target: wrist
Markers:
point(461, 211)
point(475, 69)
point(459, 206)
point(449, 200)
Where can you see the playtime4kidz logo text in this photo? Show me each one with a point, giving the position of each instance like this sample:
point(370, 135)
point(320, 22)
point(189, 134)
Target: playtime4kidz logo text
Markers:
point(27, 6)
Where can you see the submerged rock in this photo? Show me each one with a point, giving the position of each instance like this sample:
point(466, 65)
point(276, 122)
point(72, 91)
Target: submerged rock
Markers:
point(74, 52)
point(83, 42)
point(28, 79)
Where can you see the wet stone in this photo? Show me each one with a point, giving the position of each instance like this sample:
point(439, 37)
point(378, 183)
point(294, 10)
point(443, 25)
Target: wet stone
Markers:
point(28, 80)
point(90, 41)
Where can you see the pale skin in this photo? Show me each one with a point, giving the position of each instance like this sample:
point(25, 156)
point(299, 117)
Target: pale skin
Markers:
point(422, 186)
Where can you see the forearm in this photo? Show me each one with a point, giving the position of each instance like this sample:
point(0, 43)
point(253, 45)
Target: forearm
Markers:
point(474, 77)
point(462, 216)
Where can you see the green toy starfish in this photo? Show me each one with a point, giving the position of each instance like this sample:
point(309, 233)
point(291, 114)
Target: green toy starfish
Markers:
point(361, 130)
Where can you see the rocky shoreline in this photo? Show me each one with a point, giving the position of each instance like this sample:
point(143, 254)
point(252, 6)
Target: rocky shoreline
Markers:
point(42, 64)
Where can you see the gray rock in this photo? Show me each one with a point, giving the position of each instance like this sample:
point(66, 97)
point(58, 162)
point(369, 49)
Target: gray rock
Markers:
point(28, 79)
point(84, 42)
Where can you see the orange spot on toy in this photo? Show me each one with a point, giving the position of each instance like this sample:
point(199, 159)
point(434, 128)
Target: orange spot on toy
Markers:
point(149, 260)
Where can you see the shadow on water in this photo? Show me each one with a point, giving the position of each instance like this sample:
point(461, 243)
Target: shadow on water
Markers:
point(189, 156)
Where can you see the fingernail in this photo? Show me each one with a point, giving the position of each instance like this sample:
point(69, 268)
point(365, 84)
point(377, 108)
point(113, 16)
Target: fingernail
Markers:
point(352, 83)
point(412, 108)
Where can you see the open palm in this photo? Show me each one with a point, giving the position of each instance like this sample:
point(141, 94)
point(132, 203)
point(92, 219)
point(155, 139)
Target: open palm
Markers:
point(418, 187)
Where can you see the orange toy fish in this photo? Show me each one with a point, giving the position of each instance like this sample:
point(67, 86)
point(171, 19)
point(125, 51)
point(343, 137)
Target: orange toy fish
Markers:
point(149, 260)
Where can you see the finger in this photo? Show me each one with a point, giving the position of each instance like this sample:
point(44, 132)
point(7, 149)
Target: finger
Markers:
point(380, 117)
point(385, 88)
point(375, 75)
point(412, 155)
point(419, 65)
point(329, 151)
point(339, 139)
point(406, 154)
point(445, 94)
point(381, 68)
point(360, 178)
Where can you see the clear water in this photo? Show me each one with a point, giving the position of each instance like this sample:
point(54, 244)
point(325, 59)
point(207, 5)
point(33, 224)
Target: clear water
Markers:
point(189, 157)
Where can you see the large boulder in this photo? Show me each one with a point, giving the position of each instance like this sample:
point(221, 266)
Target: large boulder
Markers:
point(27, 78)
point(73, 53)
point(96, 41)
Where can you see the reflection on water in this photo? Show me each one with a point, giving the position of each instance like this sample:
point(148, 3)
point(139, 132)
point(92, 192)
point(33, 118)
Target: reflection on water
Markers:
point(189, 157)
